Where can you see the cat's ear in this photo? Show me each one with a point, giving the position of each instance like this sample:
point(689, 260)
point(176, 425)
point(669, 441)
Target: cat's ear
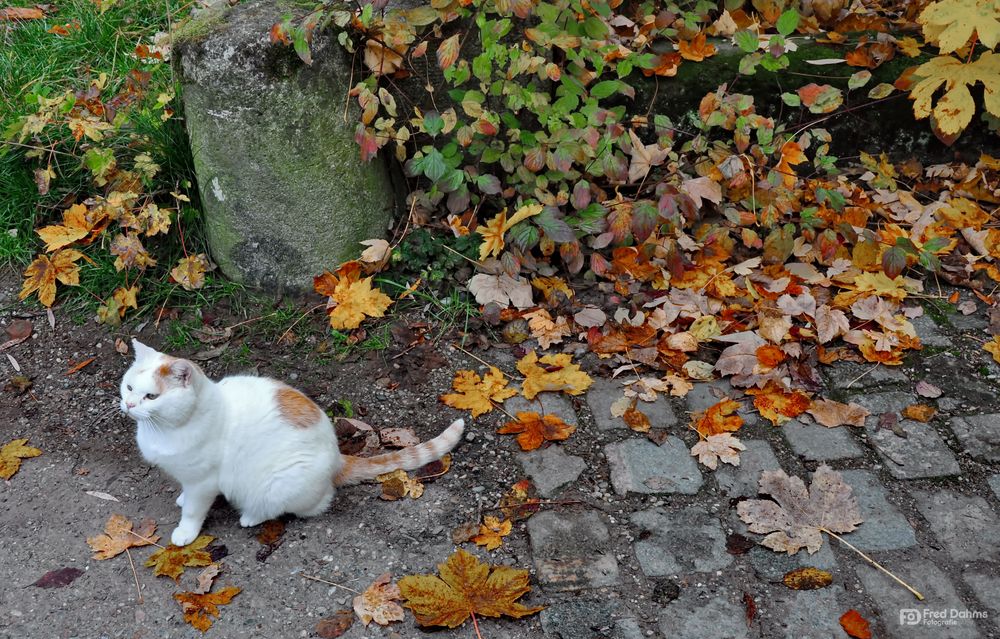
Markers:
point(141, 350)
point(182, 372)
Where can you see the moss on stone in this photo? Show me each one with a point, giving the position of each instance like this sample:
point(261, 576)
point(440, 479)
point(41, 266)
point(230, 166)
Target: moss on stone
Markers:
point(200, 26)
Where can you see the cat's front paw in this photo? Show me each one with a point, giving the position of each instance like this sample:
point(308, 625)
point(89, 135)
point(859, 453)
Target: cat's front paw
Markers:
point(249, 521)
point(180, 500)
point(183, 535)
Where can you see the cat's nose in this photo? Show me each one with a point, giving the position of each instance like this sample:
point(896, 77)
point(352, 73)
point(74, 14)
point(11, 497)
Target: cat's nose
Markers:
point(129, 404)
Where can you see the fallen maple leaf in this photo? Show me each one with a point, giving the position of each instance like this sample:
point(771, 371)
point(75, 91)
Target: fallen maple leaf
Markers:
point(493, 231)
point(558, 374)
point(926, 389)
point(832, 414)
point(807, 578)
point(170, 561)
point(77, 224)
point(518, 503)
point(546, 330)
point(11, 455)
point(335, 625)
point(950, 23)
point(492, 532)
point(190, 271)
point(955, 109)
point(378, 602)
point(855, 625)
point(715, 448)
point(478, 394)
point(119, 536)
point(993, 348)
point(351, 298)
point(777, 404)
point(41, 275)
point(534, 429)
point(718, 418)
point(398, 484)
point(696, 50)
point(636, 419)
point(797, 517)
point(503, 290)
point(466, 587)
point(199, 608)
point(207, 577)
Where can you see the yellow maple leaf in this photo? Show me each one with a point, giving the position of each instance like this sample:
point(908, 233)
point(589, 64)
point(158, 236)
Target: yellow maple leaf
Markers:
point(546, 330)
point(955, 109)
point(993, 348)
point(909, 46)
point(492, 531)
point(118, 536)
point(75, 227)
point(199, 608)
point(41, 275)
point(558, 373)
point(478, 394)
point(533, 429)
point(950, 23)
point(493, 231)
point(170, 561)
point(11, 455)
point(398, 484)
point(466, 587)
point(352, 298)
point(190, 271)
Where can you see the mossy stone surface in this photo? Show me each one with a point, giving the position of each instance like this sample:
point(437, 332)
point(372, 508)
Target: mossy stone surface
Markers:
point(284, 190)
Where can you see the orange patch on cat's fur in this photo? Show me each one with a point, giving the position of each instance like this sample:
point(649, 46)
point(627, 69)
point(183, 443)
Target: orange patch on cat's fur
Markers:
point(296, 408)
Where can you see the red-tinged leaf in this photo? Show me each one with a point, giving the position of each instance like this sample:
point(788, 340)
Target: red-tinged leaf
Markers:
point(58, 578)
point(447, 51)
point(855, 625)
point(894, 261)
point(20, 13)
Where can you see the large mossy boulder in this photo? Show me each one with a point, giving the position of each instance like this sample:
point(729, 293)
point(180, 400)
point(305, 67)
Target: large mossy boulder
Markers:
point(284, 192)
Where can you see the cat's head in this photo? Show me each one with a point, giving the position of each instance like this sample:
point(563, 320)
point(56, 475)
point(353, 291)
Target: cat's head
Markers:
point(159, 388)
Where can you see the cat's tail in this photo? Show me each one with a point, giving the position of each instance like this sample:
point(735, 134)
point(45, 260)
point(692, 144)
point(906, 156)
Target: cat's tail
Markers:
point(356, 469)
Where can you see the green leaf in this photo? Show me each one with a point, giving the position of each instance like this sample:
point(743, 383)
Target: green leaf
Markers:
point(791, 99)
point(301, 45)
point(894, 261)
point(595, 28)
point(859, 79)
point(433, 123)
point(746, 40)
point(787, 22)
point(605, 89)
point(433, 166)
point(936, 244)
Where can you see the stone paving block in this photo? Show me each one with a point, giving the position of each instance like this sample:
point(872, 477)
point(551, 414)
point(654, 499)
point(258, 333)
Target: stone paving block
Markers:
point(605, 392)
point(979, 434)
point(556, 404)
point(922, 453)
point(698, 614)
point(640, 466)
point(884, 527)
point(902, 615)
point(690, 540)
point(580, 618)
point(975, 322)
point(986, 586)
point(965, 526)
point(994, 482)
point(862, 376)
point(551, 468)
point(773, 566)
point(815, 442)
point(744, 480)
point(706, 394)
point(572, 551)
point(804, 614)
point(929, 332)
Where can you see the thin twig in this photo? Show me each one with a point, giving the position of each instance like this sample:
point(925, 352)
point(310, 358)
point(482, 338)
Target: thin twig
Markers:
point(874, 563)
point(851, 383)
point(135, 575)
point(464, 257)
point(330, 583)
point(289, 329)
point(145, 539)
point(484, 362)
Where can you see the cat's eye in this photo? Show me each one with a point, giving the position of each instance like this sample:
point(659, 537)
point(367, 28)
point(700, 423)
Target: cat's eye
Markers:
point(150, 396)
point(129, 388)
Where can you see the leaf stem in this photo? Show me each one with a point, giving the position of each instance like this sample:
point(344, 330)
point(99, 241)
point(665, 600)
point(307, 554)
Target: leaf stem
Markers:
point(145, 539)
point(134, 574)
point(873, 562)
point(475, 624)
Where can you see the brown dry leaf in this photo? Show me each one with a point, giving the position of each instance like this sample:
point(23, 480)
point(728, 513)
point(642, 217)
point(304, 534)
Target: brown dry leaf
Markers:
point(199, 608)
point(117, 537)
point(20, 13)
point(718, 418)
point(130, 253)
point(378, 602)
point(271, 532)
point(207, 577)
point(335, 625)
point(722, 447)
point(636, 419)
point(533, 429)
point(170, 561)
point(466, 587)
point(919, 412)
point(797, 516)
point(741, 357)
point(855, 625)
point(546, 330)
point(398, 437)
point(492, 532)
point(777, 404)
point(518, 503)
point(351, 298)
point(41, 275)
point(552, 373)
point(696, 50)
point(807, 578)
point(478, 394)
point(926, 389)
point(398, 484)
point(13, 452)
point(832, 414)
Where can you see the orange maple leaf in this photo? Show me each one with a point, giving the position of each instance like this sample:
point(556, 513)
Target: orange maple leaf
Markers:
point(119, 536)
point(791, 154)
point(492, 531)
point(534, 429)
point(352, 298)
point(855, 625)
point(770, 355)
point(696, 50)
point(78, 224)
point(777, 404)
point(466, 587)
point(198, 607)
point(478, 394)
point(719, 418)
point(41, 275)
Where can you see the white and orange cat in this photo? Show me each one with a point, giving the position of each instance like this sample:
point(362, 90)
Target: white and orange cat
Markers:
point(262, 444)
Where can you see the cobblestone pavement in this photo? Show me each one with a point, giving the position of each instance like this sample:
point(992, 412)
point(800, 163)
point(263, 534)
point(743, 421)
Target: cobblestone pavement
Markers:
point(635, 540)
